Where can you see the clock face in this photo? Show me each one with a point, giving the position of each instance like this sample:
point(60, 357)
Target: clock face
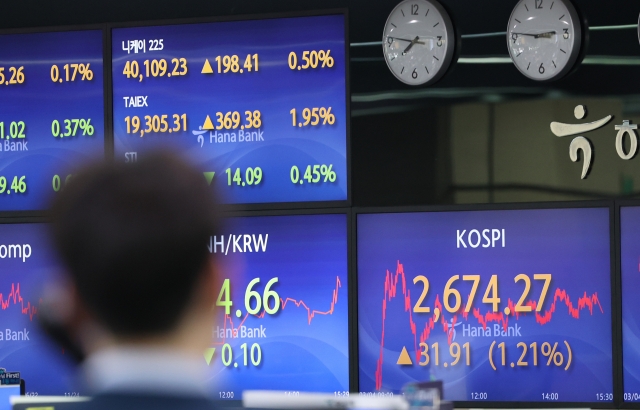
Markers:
point(418, 41)
point(544, 38)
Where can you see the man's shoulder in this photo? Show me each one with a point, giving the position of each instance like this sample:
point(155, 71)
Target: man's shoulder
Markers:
point(141, 401)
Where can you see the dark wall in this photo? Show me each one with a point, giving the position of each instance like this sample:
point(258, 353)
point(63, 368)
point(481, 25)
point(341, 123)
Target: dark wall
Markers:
point(395, 158)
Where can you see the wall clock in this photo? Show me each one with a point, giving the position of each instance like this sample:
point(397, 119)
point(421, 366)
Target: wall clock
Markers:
point(545, 38)
point(419, 42)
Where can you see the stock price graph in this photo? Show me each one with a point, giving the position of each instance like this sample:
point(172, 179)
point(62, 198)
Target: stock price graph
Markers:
point(51, 113)
point(14, 298)
point(259, 105)
point(484, 300)
point(282, 321)
point(25, 264)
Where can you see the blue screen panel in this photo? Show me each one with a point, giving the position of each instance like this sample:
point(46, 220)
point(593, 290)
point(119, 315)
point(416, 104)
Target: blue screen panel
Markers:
point(5, 393)
point(509, 306)
point(51, 113)
point(258, 105)
point(299, 340)
point(630, 269)
point(27, 263)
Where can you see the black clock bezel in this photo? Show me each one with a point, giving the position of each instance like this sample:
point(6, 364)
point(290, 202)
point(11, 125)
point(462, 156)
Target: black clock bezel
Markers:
point(451, 54)
point(577, 51)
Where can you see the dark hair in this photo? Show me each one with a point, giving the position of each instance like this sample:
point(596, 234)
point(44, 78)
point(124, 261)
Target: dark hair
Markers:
point(133, 238)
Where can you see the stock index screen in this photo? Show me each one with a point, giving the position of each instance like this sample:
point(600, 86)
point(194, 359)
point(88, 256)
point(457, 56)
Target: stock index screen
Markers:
point(503, 306)
point(51, 112)
point(282, 321)
point(630, 271)
point(258, 105)
point(26, 263)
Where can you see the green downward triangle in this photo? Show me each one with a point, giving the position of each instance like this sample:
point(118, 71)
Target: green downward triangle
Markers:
point(209, 176)
point(208, 355)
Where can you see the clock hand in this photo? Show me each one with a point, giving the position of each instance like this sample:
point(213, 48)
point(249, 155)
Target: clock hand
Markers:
point(548, 34)
point(407, 40)
point(414, 41)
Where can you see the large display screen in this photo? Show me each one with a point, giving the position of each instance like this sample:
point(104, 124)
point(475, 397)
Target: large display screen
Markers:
point(283, 309)
point(259, 105)
point(5, 393)
point(26, 263)
point(51, 112)
point(630, 271)
point(510, 305)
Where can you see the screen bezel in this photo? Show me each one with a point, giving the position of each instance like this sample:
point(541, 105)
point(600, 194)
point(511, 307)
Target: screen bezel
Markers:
point(106, 95)
point(268, 16)
point(615, 317)
point(628, 203)
point(22, 220)
point(299, 212)
point(352, 330)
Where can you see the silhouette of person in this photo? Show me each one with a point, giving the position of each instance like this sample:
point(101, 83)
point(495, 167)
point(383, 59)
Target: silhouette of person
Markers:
point(133, 240)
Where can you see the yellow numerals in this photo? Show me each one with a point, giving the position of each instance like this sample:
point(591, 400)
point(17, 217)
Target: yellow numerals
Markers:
point(452, 299)
point(14, 75)
point(156, 124)
point(551, 354)
point(312, 117)
point(310, 59)
point(454, 351)
point(70, 73)
point(546, 277)
point(227, 64)
point(233, 120)
point(156, 68)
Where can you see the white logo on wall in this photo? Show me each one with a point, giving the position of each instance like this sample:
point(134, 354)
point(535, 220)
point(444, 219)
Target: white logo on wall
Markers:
point(560, 129)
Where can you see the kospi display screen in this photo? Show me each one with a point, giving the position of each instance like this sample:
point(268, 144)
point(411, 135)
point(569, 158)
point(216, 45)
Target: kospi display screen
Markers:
point(282, 321)
point(630, 271)
point(51, 112)
point(26, 263)
point(502, 305)
point(259, 105)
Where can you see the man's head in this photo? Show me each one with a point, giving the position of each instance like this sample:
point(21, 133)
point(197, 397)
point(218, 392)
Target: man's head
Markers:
point(133, 240)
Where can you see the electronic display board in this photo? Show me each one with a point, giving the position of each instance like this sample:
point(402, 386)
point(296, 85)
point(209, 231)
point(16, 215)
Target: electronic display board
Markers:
point(51, 112)
point(630, 280)
point(502, 305)
point(26, 263)
point(282, 321)
point(6, 391)
point(259, 105)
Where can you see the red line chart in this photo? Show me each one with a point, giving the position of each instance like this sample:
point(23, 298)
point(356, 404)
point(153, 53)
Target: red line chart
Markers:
point(391, 292)
point(311, 313)
point(14, 298)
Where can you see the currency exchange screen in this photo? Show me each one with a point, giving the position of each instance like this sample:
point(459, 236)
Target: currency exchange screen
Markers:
point(258, 105)
point(51, 113)
point(510, 305)
point(282, 321)
point(26, 264)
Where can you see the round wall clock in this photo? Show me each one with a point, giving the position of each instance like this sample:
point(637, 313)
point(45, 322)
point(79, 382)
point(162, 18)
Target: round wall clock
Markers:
point(419, 41)
point(545, 38)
